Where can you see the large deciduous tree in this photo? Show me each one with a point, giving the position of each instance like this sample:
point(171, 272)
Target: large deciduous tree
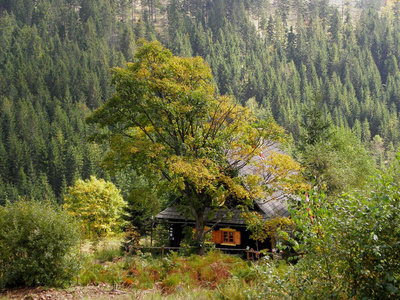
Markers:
point(166, 120)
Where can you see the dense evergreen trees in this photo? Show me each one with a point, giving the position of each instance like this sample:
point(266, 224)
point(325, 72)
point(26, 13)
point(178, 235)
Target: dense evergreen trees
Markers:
point(301, 47)
point(55, 57)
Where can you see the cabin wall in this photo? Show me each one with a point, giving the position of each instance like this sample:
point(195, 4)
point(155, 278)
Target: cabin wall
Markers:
point(176, 233)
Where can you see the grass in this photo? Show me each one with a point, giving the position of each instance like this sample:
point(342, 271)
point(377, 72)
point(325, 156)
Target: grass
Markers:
point(143, 276)
point(213, 276)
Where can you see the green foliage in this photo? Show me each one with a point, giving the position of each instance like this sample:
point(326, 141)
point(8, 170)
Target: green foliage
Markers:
point(333, 158)
point(97, 204)
point(316, 129)
point(337, 164)
point(142, 197)
point(38, 245)
point(55, 62)
point(207, 271)
point(172, 274)
point(270, 281)
point(108, 249)
point(131, 243)
point(166, 120)
point(350, 248)
point(351, 61)
point(274, 228)
point(95, 272)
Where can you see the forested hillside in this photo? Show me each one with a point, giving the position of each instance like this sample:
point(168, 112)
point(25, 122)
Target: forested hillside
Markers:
point(299, 49)
point(56, 55)
point(55, 60)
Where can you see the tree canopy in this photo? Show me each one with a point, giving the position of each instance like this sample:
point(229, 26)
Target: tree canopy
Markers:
point(166, 120)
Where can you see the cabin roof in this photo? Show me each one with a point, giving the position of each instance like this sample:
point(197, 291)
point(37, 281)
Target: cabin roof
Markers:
point(274, 206)
point(173, 215)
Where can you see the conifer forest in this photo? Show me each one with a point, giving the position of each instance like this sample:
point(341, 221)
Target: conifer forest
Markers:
point(56, 57)
point(322, 77)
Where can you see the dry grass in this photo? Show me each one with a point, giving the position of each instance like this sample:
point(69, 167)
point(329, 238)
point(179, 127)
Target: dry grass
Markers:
point(109, 274)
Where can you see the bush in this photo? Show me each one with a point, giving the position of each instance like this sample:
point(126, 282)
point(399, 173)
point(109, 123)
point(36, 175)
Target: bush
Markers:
point(98, 205)
point(350, 248)
point(38, 245)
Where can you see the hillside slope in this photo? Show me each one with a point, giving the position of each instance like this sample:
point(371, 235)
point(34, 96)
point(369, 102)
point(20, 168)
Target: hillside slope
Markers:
point(56, 55)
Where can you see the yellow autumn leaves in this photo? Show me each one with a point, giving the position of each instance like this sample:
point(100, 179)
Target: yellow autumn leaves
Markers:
point(97, 204)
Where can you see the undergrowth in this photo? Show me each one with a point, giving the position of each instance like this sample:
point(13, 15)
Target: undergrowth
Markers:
point(213, 276)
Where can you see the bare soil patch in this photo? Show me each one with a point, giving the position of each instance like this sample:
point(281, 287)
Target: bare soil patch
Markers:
point(102, 291)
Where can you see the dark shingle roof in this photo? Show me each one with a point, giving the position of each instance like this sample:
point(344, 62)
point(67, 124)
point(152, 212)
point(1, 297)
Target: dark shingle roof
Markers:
point(270, 208)
point(223, 216)
point(275, 205)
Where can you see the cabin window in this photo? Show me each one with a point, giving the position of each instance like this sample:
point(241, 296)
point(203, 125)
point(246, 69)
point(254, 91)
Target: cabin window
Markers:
point(226, 237)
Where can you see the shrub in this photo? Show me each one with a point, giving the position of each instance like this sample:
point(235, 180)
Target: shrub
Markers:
point(98, 205)
point(37, 245)
point(350, 247)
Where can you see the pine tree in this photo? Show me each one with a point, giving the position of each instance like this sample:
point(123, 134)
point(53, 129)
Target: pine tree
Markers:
point(315, 127)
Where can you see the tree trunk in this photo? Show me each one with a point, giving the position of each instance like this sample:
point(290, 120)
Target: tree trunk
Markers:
point(200, 235)
point(197, 209)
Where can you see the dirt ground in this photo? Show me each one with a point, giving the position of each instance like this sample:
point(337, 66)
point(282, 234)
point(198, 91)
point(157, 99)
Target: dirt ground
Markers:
point(100, 292)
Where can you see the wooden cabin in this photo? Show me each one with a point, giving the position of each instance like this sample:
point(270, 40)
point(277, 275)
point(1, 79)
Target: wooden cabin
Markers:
point(229, 230)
